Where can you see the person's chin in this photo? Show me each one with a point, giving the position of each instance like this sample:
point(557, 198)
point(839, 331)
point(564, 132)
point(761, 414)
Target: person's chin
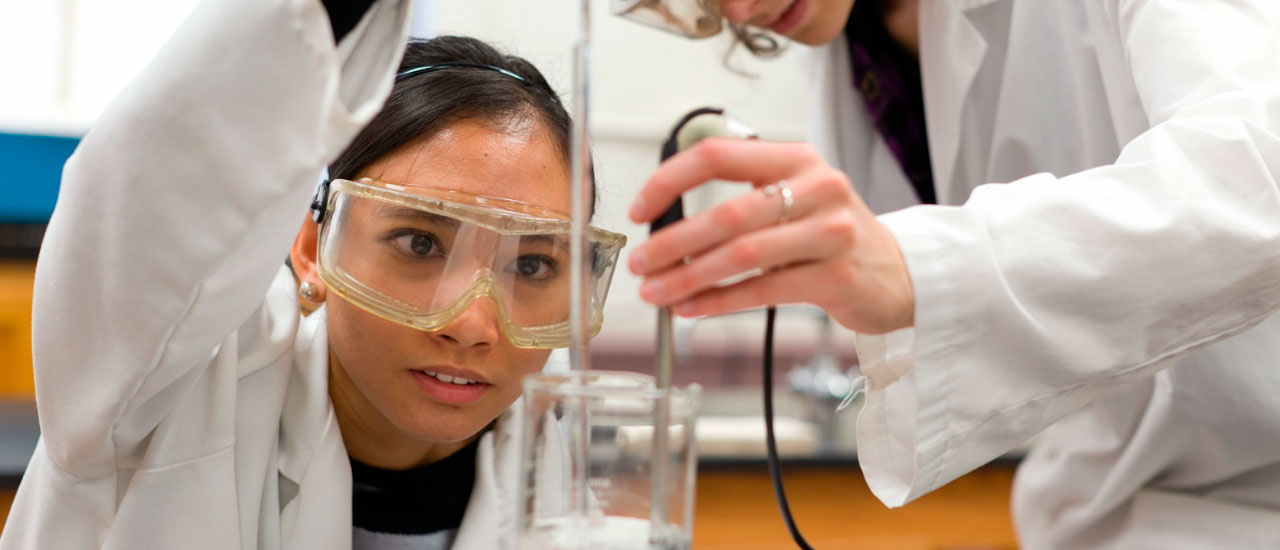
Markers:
point(815, 33)
point(435, 429)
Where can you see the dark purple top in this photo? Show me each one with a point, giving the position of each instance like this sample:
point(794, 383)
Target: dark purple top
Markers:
point(888, 78)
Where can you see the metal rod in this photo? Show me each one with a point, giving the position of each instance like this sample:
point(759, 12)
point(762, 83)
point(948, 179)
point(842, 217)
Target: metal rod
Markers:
point(579, 316)
point(658, 497)
point(580, 174)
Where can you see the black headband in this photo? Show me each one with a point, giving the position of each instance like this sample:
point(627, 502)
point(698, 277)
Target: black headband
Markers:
point(455, 65)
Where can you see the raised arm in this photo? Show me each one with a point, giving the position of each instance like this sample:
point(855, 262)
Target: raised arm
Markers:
point(179, 206)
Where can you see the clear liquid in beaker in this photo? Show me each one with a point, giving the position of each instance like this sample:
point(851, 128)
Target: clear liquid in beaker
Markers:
point(606, 533)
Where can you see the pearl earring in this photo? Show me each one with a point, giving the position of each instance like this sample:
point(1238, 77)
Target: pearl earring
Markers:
point(307, 290)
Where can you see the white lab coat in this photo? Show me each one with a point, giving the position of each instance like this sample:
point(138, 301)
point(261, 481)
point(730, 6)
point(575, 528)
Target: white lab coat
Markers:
point(179, 407)
point(1120, 289)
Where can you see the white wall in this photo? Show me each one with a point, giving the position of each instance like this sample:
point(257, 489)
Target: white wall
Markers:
point(64, 60)
point(29, 59)
point(643, 80)
point(73, 56)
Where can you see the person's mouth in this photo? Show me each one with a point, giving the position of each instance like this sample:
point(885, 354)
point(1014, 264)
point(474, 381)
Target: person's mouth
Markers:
point(790, 18)
point(452, 385)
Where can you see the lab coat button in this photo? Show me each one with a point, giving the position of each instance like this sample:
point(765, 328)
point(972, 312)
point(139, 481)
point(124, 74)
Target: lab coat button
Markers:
point(869, 84)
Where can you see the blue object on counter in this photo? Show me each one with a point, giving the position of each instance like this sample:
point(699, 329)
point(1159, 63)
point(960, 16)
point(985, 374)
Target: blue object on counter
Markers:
point(31, 167)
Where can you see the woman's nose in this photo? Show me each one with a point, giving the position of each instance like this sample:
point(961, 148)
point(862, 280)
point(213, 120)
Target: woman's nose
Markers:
point(477, 325)
point(738, 11)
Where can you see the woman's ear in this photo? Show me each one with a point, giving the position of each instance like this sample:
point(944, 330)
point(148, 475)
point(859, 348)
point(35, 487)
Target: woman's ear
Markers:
point(302, 256)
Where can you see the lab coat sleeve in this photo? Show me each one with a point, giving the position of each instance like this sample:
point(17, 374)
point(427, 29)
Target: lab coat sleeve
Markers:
point(1036, 296)
point(179, 206)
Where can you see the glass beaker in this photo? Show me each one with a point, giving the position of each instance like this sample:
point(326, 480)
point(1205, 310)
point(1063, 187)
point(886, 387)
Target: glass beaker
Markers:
point(594, 476)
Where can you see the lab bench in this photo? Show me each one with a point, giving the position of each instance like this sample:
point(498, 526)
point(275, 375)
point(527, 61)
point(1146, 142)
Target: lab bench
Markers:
point(16, 280)
point(833, 508)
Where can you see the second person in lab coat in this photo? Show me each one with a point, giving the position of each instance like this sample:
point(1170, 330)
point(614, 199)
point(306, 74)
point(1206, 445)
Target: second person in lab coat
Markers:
point(1119, 286)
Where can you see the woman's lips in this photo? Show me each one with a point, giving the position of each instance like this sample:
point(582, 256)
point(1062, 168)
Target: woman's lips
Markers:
point(449, 371)
point(791, 18)
point(438, 384)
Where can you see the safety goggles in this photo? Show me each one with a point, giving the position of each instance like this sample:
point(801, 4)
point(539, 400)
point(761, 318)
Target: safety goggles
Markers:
point(420, 255)
point(689, 18)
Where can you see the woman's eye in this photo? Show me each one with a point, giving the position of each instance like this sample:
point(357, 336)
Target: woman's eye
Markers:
point(417, 244)
point(533, 266)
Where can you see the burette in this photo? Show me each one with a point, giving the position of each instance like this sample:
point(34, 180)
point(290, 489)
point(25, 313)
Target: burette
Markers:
point(580, 175)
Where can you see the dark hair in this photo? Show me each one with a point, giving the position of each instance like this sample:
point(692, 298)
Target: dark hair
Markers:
point(421, 105)
point(759, 43)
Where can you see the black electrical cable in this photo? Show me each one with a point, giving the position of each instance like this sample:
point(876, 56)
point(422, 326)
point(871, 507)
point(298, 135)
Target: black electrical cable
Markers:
point(775, 473)
point(673, 214)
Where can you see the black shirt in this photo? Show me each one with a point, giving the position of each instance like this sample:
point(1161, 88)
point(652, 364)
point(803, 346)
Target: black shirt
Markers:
point(418, 509)
point(888, 78)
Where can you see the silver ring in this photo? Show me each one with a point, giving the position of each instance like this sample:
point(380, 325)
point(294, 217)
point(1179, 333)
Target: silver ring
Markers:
point(787, 201)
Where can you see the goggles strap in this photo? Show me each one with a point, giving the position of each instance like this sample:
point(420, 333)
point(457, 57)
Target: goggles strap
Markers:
point(455, 65)
point(320, 200)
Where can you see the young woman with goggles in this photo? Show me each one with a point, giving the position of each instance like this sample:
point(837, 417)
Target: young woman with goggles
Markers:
point(184, 400)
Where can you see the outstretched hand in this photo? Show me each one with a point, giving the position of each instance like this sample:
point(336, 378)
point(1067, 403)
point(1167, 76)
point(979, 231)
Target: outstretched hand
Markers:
point(829, 249)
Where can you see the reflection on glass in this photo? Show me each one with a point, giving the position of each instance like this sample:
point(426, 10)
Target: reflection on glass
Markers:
point(605, 499)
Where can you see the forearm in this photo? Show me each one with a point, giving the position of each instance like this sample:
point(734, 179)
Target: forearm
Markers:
point(1034, 297)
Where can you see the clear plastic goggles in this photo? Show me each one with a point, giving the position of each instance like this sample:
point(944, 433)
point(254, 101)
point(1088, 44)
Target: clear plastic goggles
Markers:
point(689, 18)
point(419, 256)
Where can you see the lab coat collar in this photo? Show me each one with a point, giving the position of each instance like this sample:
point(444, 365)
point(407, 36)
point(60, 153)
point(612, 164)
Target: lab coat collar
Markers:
point(307, 400)
point(951, 51)
point(491, 513)
point(314, 469)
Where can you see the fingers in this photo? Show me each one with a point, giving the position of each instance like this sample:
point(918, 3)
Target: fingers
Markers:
point(819, 191)
point(786, 286)
point(753, 161)
point(813, 239)
point(693, 236)
point(832, 252)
